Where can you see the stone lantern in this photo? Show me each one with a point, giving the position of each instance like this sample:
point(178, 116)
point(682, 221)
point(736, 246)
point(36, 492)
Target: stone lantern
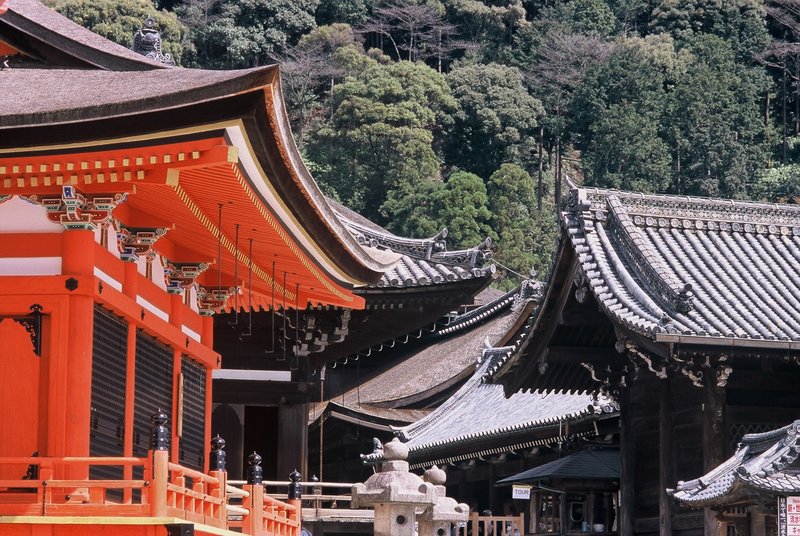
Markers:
point(395, 494)
point(436, 520)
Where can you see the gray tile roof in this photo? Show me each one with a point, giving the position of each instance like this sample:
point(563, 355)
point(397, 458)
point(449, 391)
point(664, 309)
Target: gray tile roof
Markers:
point(480, 410)
point(418, 262)
point(441, 364)
point(691, 269)
point(765, 464)
point(587, 464)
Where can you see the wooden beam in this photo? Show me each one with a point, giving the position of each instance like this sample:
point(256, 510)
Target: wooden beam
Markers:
point(713, 436)
point(582, 316)
point(582, 354)
point(666, 466)
point(627, 493)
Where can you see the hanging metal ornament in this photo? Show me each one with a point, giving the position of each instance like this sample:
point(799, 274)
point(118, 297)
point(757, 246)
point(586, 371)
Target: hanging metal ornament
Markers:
point(294, 364)
point(249, 292)
point(283, 333)
point(219, 248)
point(236, 279)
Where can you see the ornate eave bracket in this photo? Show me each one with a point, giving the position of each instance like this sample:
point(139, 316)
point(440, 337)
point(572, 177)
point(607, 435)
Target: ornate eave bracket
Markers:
point(211, 299)
point(135, 242)
point(182, 275)
point(75, 210)
point(33, 325)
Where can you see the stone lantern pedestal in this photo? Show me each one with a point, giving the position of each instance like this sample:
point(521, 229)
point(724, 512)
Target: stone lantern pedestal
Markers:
point(437, 519)
point(395, 494)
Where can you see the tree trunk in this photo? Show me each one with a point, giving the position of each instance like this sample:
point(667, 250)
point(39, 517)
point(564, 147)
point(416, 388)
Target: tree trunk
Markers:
point(785, 130)
point(627, 440)
point(558, 175)
point(539, 178)
point(666, 477)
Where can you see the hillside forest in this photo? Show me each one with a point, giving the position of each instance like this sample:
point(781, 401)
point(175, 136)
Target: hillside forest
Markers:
point(421, 114)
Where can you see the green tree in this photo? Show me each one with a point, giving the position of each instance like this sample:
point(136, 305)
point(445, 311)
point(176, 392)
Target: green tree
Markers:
point(413, 210)
point(337, 11)
point(309, 71)
point(716, 128)
point(618, 113)
point(489, 25)
point(496, 118)
point(118, 20)
point(740, 22)
point(592, 18)
point(778, 185)
point(627, 152)
point(525, 236)
point(244, 33)
point(382, 135)
point(462, 208)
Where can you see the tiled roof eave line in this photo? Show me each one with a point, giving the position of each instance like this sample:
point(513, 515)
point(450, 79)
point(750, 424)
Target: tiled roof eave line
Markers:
point(504, 449)
point(538, 424)
point(480, 314)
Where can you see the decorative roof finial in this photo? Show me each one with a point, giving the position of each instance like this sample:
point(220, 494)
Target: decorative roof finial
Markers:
point(147, 42)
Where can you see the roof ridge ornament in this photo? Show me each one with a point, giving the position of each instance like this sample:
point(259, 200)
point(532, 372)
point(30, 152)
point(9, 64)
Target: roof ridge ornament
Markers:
point(147, 42)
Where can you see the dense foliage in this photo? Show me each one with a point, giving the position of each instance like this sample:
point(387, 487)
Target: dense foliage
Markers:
point(470, 114)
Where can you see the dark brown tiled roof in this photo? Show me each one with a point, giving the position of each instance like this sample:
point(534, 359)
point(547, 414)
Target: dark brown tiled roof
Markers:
point(592, 464)
point(438, 366)
point(765, 464)
point(41, 24)
point(50, 96)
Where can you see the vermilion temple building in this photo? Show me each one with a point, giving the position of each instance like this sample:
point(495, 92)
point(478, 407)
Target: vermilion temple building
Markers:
point(137, 201)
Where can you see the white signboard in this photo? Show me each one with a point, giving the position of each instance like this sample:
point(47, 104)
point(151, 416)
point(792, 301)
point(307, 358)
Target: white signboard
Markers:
point(522, 491)
point(789, 516)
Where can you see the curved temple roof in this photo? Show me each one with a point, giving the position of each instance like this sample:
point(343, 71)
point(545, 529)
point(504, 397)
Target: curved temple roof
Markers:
point(91, 95)
point(479, 413)
point(417, 262)
point(42, 33)
point(683, 269)
point(765, 463)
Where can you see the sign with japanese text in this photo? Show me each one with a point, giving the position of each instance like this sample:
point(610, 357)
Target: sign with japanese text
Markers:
point(789, 516)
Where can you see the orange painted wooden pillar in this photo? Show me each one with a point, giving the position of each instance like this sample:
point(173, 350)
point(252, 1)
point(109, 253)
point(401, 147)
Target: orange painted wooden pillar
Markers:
point(78, 258)
point(253, 521)
point(207, 336)
point(176, 319)
point(158, 485)
point(177, 403)
point(130, 287)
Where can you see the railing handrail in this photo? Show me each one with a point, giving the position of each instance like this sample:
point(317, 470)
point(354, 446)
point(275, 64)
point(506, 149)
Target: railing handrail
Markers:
point(272, 483)
point(73, 460)
point(164, 493)
point(191, 473)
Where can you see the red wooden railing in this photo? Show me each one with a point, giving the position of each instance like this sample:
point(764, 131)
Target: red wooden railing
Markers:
point(164, 491)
